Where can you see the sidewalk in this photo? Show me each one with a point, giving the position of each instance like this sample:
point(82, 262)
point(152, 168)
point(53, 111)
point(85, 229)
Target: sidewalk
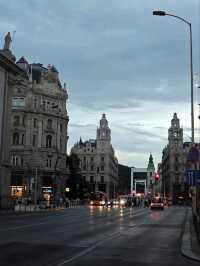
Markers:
point(190, 247)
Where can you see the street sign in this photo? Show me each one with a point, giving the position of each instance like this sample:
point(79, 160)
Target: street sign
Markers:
point(193, 178)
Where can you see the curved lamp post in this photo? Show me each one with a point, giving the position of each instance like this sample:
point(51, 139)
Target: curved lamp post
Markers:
point(163, 13)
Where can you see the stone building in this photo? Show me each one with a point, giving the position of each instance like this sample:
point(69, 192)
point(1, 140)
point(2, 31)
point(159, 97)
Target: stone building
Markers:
point(8, 73)
point(39, 124)
point(173, 161)
point(98, 164)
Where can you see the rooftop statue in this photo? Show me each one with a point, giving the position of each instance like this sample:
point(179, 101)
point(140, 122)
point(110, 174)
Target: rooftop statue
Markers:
point(7, 41)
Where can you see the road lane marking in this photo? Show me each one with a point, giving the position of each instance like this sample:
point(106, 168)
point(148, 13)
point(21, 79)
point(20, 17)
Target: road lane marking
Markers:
point(88, 250)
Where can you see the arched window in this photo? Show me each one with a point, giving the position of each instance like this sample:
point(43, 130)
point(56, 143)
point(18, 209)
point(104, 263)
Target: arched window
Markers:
point(49, 124)
point(48, 141)
point(16, 120)
point(16, 138)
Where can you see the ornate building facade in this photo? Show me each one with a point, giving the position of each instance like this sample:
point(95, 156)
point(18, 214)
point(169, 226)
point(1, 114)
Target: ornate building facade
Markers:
point(98, 164)
point(8, 73)
point(173, 161)
point(38, 135)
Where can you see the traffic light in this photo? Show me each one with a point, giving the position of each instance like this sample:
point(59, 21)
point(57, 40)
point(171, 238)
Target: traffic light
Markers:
point(157, 177)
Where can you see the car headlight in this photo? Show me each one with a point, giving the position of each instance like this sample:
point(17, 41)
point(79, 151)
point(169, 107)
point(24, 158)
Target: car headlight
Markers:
point(91, 202)
point(122, 202)
point(102, 202)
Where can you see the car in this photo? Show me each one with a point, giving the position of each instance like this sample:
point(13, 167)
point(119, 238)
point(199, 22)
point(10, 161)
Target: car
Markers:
point(157, 203)
point(97, 202)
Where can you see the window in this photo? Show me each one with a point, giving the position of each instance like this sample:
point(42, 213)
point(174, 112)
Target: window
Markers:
point(48, 163)
point(49, 124)
point(23, 139)
point(84, 179)
point(92, 167)
point(91, 179)
point(102, 168)
point(23, 121)
point(91, 159)
point(61, 127)
point(48, 141)
point(16, 138)
point(15, 160)
point(34, 140)
point(35, 103)
point(102, 179)
point(60, 143)
point(102, 159)
point(22, 161)
point(16, 120)
point(35, 123)
point(84, 159)
point(18, 102)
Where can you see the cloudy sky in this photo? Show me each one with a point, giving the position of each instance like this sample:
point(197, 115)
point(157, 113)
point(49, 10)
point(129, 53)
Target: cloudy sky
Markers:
point(118, 59)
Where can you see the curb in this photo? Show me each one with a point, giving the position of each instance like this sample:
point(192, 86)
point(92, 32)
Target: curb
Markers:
point(186, 245)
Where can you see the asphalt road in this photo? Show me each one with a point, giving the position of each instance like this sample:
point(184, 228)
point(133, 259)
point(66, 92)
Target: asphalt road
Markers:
point(94, 236)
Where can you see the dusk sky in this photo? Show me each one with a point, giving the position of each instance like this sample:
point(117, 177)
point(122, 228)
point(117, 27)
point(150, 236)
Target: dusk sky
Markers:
point(116, 58)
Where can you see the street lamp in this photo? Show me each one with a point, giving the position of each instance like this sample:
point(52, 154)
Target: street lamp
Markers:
point(163, 13)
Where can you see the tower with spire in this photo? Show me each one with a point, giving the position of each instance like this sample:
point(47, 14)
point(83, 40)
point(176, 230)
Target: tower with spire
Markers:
point(150, 172)
point(103, 134)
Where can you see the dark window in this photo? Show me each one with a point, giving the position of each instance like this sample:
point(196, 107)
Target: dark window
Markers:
point(48, 163)
point(92, 159)
point(35, 103)
point(61, 128)
point(22, 161)
point(16, 138)
point(102, 159)
point(34, 140)
point(35, 123)
point(102, 179)
point(92, 167)
point(49, 124)
point(48, 141)
point(91, 179)
point(84, 159)
point(22, 139)
point(102, 168)
point(23, 121)
point(16, 121)
point(84, 179)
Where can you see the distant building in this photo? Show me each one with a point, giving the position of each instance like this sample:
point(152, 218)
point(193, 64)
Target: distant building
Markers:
point(142, 178)
point(98, 163)
point(38, 135)
point(173, 161)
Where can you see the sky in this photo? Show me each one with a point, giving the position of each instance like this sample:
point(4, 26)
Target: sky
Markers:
point(116, 58)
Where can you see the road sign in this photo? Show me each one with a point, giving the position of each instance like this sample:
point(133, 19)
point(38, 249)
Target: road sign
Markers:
point(193, 178)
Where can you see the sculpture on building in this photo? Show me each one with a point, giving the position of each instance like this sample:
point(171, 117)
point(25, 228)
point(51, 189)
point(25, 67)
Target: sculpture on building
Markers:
point(7, 41)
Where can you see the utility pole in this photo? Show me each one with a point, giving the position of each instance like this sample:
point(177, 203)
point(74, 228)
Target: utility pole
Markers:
point(35, 194)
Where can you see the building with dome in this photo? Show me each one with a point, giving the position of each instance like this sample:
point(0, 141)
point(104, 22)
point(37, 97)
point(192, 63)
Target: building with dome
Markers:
point(98, 163)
